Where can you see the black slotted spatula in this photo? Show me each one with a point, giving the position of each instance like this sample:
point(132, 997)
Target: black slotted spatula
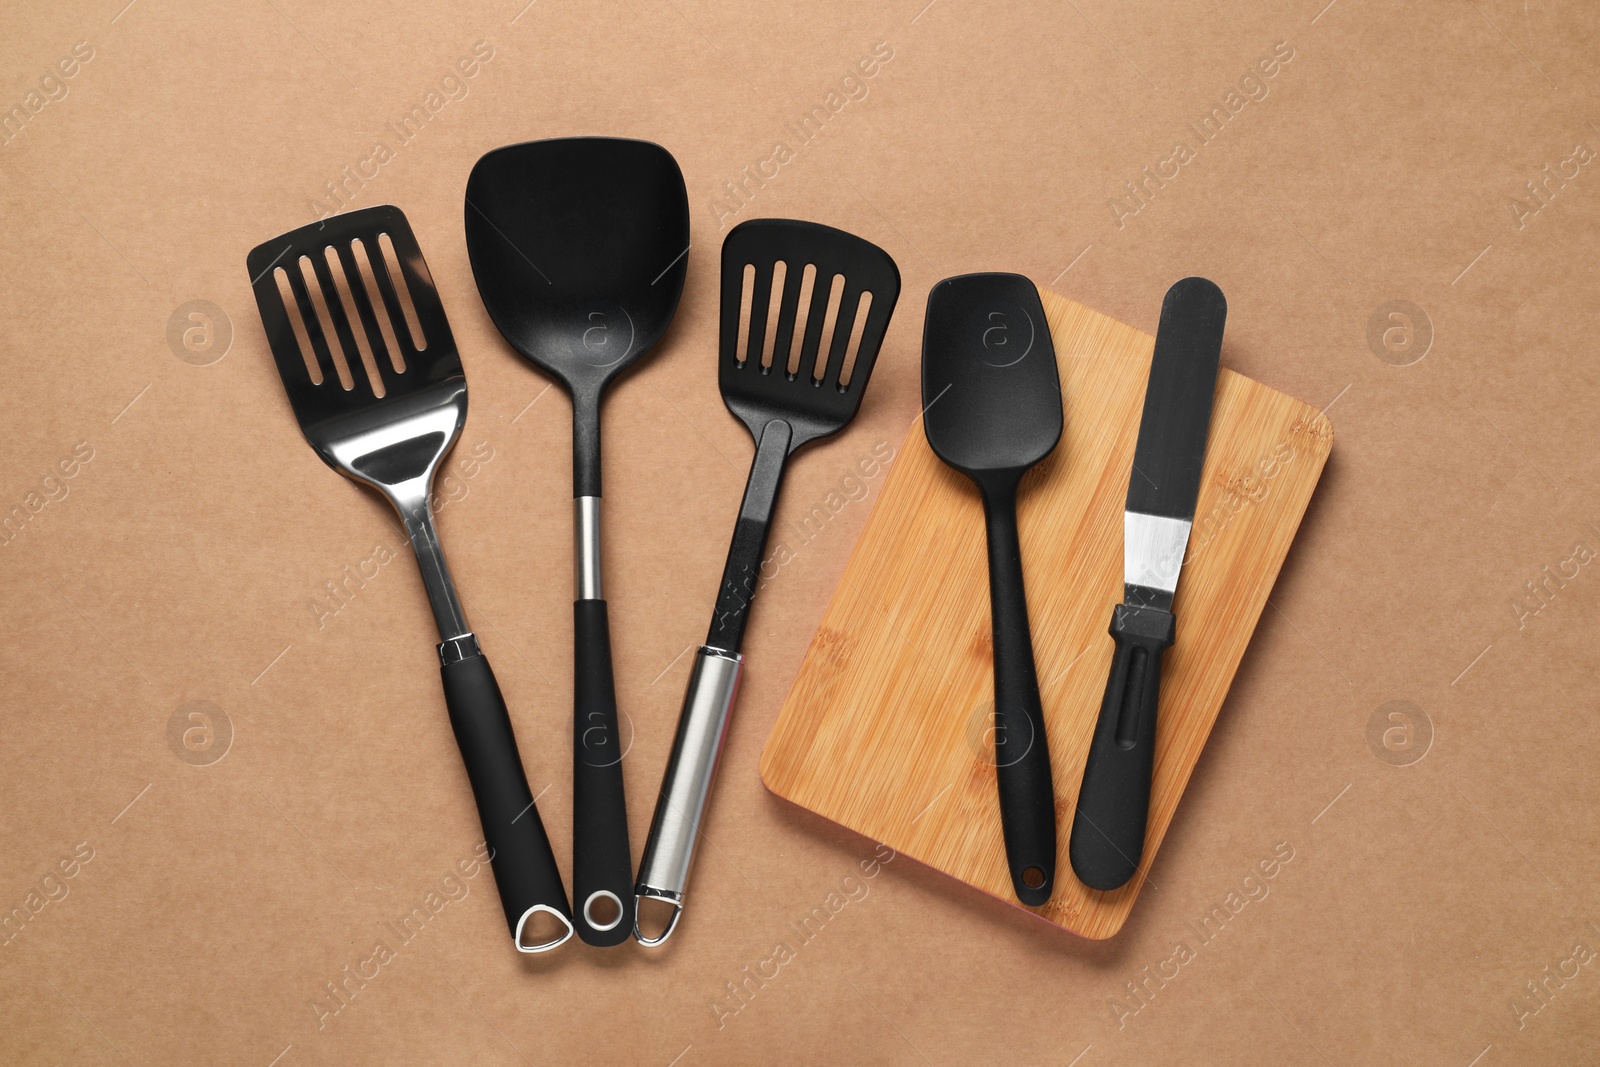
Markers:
point(371, 369)
point(789, 386)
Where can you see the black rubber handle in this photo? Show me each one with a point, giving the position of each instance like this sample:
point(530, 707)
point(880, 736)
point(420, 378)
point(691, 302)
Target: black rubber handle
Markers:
point(740, 575)
point(1022, 753)
point(601, 863)
point(524, 866)
point(742, 572)
point(1114, 803)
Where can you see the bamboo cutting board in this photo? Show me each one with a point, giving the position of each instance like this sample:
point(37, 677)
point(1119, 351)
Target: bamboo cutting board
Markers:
point(888, 727)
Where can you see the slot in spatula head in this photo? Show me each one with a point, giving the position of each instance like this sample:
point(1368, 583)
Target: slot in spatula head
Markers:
point(804, 311)
point(361, 341)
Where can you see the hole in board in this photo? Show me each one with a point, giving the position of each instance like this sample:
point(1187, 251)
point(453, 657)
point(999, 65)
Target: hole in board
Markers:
point(301, 337)
point(603, 910)
point(308, 274)
point(1033, 877)
point(780, 271)
point(397, 358)
point(746, 297)
point(358, 328)
point(830, 321)
point(802, 315)
point(857, 328)
point(392, 262)
point(654, 917)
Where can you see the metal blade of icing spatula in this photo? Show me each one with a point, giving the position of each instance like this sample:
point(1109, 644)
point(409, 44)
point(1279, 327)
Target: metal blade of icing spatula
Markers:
point(1114, 801)
point(371, 369)
point(580, 246)
point(991, 402)
point(789, 385)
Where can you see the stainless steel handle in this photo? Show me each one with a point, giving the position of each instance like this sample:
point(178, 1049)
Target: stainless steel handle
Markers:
point(702, 726)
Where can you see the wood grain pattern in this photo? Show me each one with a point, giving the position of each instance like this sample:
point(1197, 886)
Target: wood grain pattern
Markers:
point(887, 727)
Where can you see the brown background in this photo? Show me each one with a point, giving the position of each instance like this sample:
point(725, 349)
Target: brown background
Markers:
point(181, 563)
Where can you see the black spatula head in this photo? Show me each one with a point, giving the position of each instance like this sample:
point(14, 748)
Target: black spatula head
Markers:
point(804, 310)
point(990, 390)
point(355, 323)
point(1176, 421)
point(579, 246)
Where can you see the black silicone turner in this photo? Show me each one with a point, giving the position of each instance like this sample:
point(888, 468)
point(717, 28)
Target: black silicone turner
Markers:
point(789, 386)
point(580, 246)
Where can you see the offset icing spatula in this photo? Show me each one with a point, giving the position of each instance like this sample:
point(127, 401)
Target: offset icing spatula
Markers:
point(789, 386)
point(991, 399)
point(371, 369)
point(580, 246)
point(1114, 803)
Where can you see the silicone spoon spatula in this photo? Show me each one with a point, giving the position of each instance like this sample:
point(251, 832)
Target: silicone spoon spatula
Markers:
point(580, 246)
point(789, 386)
point(1114, 802)
point(991, 399)
point(371, 369)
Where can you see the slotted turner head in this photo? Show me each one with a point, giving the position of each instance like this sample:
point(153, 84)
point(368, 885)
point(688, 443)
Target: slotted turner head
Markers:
point(362, 345)
point(819, 301)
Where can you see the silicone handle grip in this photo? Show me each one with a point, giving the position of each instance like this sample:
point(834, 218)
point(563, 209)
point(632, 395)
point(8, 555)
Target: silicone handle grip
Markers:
point(1022, 753)
point(602, 872)
point(524, 866)
point(1114, 803)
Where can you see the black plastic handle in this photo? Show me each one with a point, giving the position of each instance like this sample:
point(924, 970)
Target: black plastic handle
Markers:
point(601, 864)
point(1114, 803)
point(742, 572)
point(586, 440)
point(524, 866)
point(1022, 753)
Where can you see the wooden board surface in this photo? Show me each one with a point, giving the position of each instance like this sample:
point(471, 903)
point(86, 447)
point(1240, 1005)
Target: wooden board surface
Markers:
point(887, 729)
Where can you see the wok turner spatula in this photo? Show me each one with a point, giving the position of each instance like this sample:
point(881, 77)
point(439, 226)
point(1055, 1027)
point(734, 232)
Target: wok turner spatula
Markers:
point(580, 247)
point(789, 386)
